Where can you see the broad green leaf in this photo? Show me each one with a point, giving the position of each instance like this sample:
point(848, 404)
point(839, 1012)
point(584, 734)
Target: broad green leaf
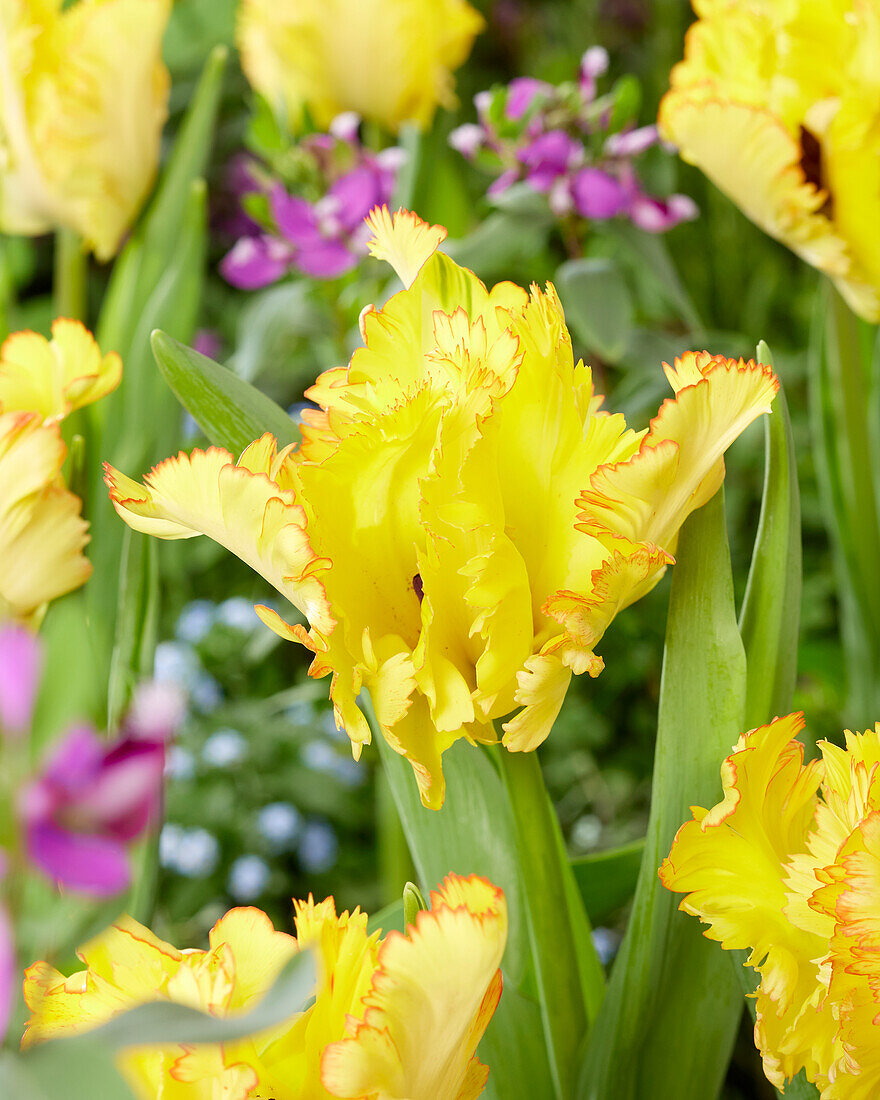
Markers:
point(272, 323)
point(607, 880)
point(502, 241)
point(231, 412)
point(387, 919)
point(667, 1025)
point(772, 603)
point(474, 834)
point(79, 1070)
point(598, 305)
point(162, 1022)
point(136, 622)
point(554, 914)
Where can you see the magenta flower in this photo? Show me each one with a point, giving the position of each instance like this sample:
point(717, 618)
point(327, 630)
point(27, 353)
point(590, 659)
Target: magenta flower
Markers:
point(597, 195)
point(521, 94)
point(549, 157)
point(90, 801)
point(321, 234)
point(658, 215)
point(19, 675)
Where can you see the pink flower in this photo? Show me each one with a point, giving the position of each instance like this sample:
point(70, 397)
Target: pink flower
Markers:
point(91, 800)
point(19, 675)
point(597, 195)
point(550, 156)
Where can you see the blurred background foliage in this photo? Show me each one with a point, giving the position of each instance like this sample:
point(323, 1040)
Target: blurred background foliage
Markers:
point(263, 799)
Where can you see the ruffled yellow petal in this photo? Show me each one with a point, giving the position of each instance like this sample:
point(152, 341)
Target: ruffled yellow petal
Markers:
point(390, 63)
point(239, 505)
point(425, 1015)
point(54, 377)
point(42, 533)
point(403, 240)
point(777, 104)
point(83, 96)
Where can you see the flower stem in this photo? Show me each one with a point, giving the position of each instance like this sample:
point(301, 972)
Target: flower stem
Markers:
point(569, 975)
point(843, 410)
point(70, 276)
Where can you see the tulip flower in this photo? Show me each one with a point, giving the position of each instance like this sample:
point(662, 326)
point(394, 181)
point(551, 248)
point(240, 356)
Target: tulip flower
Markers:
point(777, 104)
point(396, 1018)
point(84, 95)
point(90, 801)
point(42, 533)
point(787, 866)
point(390, 61)
point(55, 377)
point(462, 520)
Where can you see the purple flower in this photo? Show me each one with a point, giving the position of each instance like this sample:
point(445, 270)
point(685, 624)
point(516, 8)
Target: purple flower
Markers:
point(254, 262)
point(658, 215)
point(505, 180)
point(206, 341)
point(550, 156)
point(19, 675)
point(629, 143)
point(467, 139)
point(597, 195)
point(594, 63)
point(521, 94)
point(90, 801)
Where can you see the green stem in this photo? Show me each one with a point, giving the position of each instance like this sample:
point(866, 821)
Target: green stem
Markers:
point(71, 276)
point(554, 948)
point(844, 409)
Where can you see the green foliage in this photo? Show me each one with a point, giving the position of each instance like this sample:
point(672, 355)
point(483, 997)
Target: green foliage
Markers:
point(673, 996)
point(598, 305)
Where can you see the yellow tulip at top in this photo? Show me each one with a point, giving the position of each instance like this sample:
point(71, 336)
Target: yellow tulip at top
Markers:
point(42, 533)
point(397, 1018)
point(462, 520)
point(390, 61)
point(83, 98)
point(787, 866)
point(778, 102)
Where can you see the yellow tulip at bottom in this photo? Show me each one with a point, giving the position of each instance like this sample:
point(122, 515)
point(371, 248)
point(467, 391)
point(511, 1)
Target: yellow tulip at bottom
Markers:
point(462, 520)
point(787, 866)
point(393, 1019)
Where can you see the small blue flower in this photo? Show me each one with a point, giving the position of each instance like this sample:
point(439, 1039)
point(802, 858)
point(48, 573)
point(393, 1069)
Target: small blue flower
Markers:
point(248, 878)
point(206, 693)
point(195, 621)
point(179, 763)
point(606, 941)
point(318, 847)
point(238, 613)
point(190, 852)
point(279, 823)
point(176, 663)
point(224, 747)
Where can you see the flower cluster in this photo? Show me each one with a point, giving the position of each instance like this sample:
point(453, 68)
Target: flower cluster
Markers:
point(395, 1017)
point(42, 533)
point(564, 141)
point(462, 520)
point(76, 817)
point(788, 866)
point(389, 60)
point(778, 105)
point(319, 229)
point(84, 98)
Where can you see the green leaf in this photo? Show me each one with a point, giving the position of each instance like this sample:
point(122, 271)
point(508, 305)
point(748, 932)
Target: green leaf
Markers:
point(598, 305)
point(668, 1022)
point(607, 880)
point(271, 325)
point(387, 919)
point(162, 1022)
point(500, 242)
point(78, 1070)
point(231, 412)
point(474, 834)
point(772, 603)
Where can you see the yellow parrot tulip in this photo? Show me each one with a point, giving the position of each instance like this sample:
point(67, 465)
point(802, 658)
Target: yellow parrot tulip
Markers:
point(778, 102)
point(392, 1019)
point(42, 534)
point(83, 98)
point(462, 520)
point(390, 61)
point(794, 876)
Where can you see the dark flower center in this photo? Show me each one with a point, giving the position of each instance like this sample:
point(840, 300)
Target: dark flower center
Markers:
point(812, 167)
